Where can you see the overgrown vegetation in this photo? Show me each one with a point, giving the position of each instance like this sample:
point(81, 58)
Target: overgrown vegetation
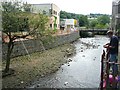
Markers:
point(66, 15)
point(83, 21)
point(88, 21)
point(16, 18)
point(13, 20)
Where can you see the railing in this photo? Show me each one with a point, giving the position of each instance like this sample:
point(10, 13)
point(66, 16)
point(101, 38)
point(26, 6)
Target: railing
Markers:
point(94, 30)
point(102, 68)
point(105, 60)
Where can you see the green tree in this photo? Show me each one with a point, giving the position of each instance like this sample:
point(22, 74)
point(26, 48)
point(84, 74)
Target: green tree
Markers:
point(26, 7)
point(100, 26)
point(83, 21)
point(93, 23)
point(40, 28)
point(14, 21)
point(69, 16)
point(104, 20)
point(38, 24)
point(64, 15)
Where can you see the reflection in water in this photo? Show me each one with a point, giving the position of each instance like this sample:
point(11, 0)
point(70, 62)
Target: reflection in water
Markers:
point(84, 69)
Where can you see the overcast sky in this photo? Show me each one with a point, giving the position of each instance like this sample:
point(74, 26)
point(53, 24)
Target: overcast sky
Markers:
point(80, 6)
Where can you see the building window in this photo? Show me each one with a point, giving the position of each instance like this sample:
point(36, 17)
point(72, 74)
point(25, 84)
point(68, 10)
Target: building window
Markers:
point(51, 25)
point(54, 12)
point(50, 11)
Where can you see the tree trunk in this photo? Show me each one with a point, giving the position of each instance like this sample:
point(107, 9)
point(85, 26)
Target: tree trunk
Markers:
point(10, 48)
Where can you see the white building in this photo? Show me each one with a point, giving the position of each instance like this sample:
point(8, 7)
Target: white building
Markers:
point(69, 24)
point(50, 10)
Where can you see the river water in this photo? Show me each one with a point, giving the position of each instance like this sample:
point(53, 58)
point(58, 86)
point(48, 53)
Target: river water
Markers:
point(84, 69)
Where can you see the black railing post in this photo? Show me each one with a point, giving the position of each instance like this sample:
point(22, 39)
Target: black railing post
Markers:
point(102, 67)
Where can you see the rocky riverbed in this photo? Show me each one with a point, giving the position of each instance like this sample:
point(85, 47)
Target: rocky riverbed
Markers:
point(29, 68)
point(82, 72)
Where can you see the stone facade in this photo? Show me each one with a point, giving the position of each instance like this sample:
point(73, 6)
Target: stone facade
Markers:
point(30, 46)
point(116, 15)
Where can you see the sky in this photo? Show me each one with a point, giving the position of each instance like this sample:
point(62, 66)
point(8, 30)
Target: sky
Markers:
point(80, 6)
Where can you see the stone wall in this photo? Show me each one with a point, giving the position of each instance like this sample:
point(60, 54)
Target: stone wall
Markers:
point(21, 47)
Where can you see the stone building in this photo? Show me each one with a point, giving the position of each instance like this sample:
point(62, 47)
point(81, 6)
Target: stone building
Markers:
point(115, 15)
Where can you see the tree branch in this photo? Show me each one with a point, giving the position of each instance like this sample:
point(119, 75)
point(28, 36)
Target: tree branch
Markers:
point(17, 37)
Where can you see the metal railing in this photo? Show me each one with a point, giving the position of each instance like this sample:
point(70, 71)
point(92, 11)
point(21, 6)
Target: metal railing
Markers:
point(105, 62)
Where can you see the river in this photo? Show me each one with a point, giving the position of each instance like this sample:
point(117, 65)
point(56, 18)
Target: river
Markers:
point(84, 69)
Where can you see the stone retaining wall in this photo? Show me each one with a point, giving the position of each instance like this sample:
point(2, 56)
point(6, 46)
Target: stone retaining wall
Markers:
point(35, 45)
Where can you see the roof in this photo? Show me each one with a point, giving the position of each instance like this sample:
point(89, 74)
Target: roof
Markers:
point(45, 4)
point(42, 4)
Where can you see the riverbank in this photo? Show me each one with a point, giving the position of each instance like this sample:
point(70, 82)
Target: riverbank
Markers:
point(82, 72)
point(39, 64)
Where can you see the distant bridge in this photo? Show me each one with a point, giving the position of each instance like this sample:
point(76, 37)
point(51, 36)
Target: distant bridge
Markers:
point(93, 30)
